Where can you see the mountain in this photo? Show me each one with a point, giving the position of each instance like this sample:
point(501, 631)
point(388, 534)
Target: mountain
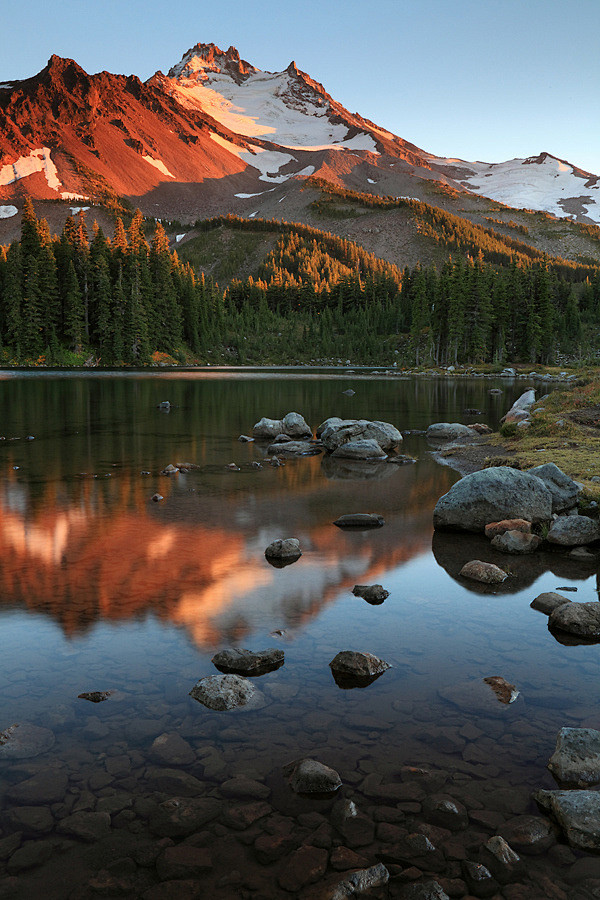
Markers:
point(217, 135)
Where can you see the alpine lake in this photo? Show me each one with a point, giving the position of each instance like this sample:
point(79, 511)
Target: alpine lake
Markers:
point(103, 589)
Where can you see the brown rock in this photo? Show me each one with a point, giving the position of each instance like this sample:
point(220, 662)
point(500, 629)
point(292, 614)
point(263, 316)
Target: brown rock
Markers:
point(484, 572)
point(505, 692)
point(183, 861)
point(495, 528)
point(305, 866)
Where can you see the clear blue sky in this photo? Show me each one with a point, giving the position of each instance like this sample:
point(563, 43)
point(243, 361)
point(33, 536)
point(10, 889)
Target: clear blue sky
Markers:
point(476, 79)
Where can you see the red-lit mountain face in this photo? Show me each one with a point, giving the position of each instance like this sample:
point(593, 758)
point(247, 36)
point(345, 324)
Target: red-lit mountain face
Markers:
point(218, 135)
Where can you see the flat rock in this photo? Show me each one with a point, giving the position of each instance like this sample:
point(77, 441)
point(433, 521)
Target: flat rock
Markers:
point(443, 432)
point(359, 882)
point(45, 787)
point(581, 619)
point(359, 449)
point(101, 696)
point(88, 826)
point(183, 861)
point(516, 542)
point(490, 495)
point(494, 528)
point(248, 662)
point(181, 816)
point(372, 593)
point(577, 813)
point(308, 776)
point(306, 865)
point(484, 572)
point(531, 835)
point(425, 890)
point(573, 531)
point(24, 741)
point(223, 692)
point(548, 602)
point(360, 520)
point(576, 759)
point(294, 448)
point(284, 548)
point(475, 696)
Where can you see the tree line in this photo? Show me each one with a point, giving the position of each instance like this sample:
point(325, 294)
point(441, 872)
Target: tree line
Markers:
point(131, 300)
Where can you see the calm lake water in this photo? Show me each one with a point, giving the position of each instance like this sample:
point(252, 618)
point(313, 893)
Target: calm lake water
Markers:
point(102, 589)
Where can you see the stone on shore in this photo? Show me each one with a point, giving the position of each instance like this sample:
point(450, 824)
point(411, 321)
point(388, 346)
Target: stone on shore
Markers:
point(581, 619)
point(564, 490)
point(577, 813)
point(576, 759)
point(444, 432)
point(484, 572)
point(489, 495)
point(308, 776)
point(573, 531)
point(516, 542)
point(248, 662)
point(548, 602)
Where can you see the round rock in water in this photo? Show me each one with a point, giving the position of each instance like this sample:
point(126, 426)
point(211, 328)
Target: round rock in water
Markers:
point(312, 777)
point(576, 760)
point(359, 449)
point(573, 531)
point(577, 813)
point(548, 602)
point(372, 593)
point(355, 668)
point(23, 741)
point(248, 662)
point(222, 692)
point(443, 432)
point(484, 572)
point(284, 549)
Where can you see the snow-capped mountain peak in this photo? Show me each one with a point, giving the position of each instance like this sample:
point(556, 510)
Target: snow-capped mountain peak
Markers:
point(203, 60)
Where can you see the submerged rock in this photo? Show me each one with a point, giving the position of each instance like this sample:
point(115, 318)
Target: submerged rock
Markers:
point(308, 776)
point(294, 448)
point(577, 813)
point(360, 520)
point(484, 572)
point(516, 542)
point(248, 662)
point(502, 861)
point(475, 697)
point(359, 882)
point(223, 692)
point(24, 741)
point(489, 495)
point(576, 760)
point(95, 696)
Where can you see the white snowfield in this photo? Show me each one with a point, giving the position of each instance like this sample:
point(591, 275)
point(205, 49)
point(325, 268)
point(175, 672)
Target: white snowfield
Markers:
point(159, 164)
point(540, 183)
point(271, 105)
point(7, 212)
point(268, 162)
point(37, 161)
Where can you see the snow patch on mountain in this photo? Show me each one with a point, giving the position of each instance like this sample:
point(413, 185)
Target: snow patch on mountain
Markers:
point(7, 212)
point(541, 183)
point(37, 161)
point(159, 164)
point(271, 105)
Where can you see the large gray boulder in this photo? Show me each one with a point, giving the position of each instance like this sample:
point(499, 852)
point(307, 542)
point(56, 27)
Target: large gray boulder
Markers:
point(358, 663)
point(563, 489)
point(292, 424)
point(576, 759)
point(573, 531)
point(492, 494)
point(443, 432)
point(339, 431)
point(581, 619)
point(577, 813)
point(267, 429)
point(359, 449)
point(222, 692)
point(248, 662)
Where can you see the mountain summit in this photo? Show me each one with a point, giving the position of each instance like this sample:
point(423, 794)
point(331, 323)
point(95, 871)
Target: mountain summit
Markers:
point(216, 132)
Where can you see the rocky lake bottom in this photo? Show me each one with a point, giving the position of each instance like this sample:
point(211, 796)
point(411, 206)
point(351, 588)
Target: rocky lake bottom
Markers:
point(148, 793)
